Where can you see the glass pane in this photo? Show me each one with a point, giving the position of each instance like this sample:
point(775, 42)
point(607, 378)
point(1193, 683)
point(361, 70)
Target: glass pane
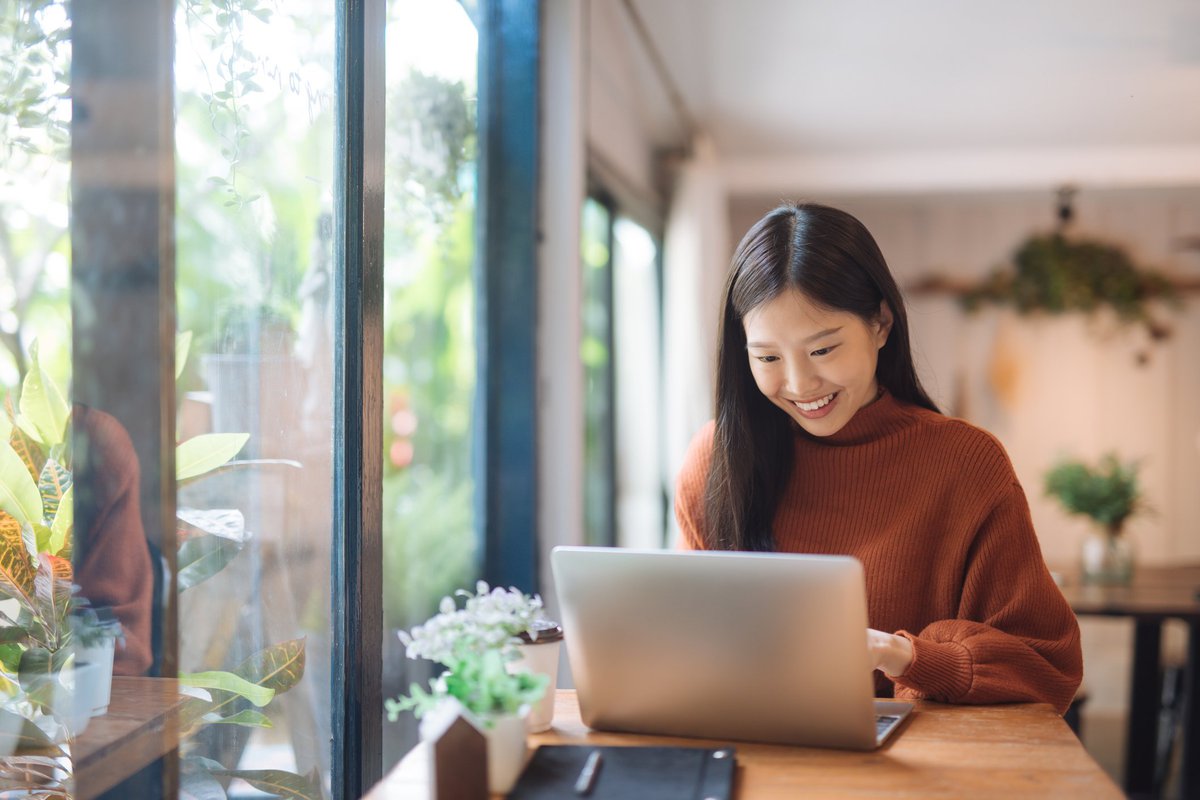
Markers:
point(254, 173)
point(39, 669)
point(595, 353)
point(637, 322)
point(429, 547)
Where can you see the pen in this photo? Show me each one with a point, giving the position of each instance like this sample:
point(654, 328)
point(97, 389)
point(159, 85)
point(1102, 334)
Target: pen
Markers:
point(587, 775)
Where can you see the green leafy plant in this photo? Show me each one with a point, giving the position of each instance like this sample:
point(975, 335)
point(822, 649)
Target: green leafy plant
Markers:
point(36, 523)
point(1107, 492)
point(1057, 275)
point(475, 643)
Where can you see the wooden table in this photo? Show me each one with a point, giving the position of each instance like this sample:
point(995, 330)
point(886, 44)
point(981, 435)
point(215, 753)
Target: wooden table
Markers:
point(139, 728)
point(1156, 594)
point(943, 751)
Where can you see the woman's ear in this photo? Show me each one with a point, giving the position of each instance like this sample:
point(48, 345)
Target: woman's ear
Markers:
point(883, 324)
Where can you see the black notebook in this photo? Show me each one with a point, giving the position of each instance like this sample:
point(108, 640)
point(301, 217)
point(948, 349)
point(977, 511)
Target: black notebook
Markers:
point(652, 773)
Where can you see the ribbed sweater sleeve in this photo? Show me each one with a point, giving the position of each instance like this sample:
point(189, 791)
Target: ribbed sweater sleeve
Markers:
point(1014, 637)
point(932, 508)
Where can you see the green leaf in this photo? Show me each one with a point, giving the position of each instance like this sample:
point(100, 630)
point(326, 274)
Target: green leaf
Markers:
point(204, 453)
point(201, 557)
point(19, 496)
point(183, 344)
point(41, 537)
point(280, 783)
point(228, 682)
point(42, 404)
point(279, 666)
point(248, 718)
point(16, 566)
point(64, 521)
point(6, 427)
point(55, 480)
point(52, 588)
point(27, 448)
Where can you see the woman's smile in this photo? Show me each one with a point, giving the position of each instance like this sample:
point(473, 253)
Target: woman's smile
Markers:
point(818, 408)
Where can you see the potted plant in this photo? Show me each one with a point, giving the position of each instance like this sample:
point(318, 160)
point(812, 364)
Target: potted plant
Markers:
point(477, 644)
point(95, 633)
point(1108, 494)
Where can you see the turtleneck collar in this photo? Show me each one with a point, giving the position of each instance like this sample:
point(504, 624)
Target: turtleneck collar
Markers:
point(873, 421)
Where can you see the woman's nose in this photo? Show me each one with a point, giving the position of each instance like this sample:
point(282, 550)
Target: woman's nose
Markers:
point(801, 378)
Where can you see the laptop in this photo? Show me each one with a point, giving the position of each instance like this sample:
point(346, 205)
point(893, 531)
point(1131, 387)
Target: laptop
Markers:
point(759, 647)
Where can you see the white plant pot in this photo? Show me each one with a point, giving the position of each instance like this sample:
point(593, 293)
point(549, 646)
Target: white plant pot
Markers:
point(506, 751)
point(540, 657)
point(72, 708)
point(96, 687)
point(504, 737)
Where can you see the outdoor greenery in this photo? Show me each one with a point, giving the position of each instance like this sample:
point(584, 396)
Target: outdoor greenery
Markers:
point(1106, 492)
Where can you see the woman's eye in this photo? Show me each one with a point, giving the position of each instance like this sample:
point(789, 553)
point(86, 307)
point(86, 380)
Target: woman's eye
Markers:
point(823, 351)
point(767, 359)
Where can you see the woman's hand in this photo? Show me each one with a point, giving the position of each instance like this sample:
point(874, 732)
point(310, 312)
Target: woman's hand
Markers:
point(890, 653)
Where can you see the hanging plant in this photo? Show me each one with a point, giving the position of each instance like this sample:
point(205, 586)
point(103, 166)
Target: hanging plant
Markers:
point(1057, 275)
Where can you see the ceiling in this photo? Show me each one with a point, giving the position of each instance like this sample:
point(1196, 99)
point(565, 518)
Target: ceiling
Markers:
point(787, 78)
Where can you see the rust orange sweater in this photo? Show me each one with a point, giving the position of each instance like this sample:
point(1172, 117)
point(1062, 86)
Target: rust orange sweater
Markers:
point(931, 507)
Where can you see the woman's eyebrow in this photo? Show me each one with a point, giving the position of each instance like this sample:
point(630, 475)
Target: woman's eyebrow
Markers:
point(813, 338)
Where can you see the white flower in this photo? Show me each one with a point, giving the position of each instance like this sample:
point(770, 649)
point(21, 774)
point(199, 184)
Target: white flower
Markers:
point(491, 619)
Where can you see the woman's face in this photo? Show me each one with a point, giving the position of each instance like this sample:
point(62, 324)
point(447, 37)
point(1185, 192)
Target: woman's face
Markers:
point(816, 364)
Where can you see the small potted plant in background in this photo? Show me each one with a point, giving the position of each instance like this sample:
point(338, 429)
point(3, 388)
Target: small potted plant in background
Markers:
point(479, 645)
point(1108, 494)
point(96, 633)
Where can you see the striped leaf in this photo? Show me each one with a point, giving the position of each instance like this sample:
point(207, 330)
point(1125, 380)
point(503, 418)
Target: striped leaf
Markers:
point(16, 566)
point(278, 667)
point(64, 522)
point(29, 451)
point(19, 495)
point(52, 587)
point(53, 483)
point(280, 783)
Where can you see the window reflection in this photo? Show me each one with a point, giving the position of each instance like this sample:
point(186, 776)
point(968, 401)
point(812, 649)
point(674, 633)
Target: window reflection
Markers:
point(254, 153)
point(429, 328)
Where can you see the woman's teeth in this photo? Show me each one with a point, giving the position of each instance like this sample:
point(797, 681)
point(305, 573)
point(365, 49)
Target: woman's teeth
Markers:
point(824, 401)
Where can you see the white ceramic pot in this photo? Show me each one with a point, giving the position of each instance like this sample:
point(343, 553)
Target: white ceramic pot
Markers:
point(540, 656)
point(96, 687)
point(506, 751)
point(71, 708)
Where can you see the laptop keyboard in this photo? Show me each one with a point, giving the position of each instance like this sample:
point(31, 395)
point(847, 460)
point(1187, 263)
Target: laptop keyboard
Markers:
point(884, 724)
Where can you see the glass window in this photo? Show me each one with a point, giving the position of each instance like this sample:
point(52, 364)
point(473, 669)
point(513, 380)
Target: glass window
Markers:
point(429, 370)
point(637, 321)
point(596, 355)
point(254, 99)
point(624, 500)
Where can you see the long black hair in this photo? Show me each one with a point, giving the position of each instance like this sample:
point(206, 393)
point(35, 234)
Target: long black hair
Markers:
point(832, 259)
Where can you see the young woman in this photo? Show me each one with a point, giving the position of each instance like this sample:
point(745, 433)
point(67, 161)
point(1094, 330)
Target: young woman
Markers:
point(825, 442)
